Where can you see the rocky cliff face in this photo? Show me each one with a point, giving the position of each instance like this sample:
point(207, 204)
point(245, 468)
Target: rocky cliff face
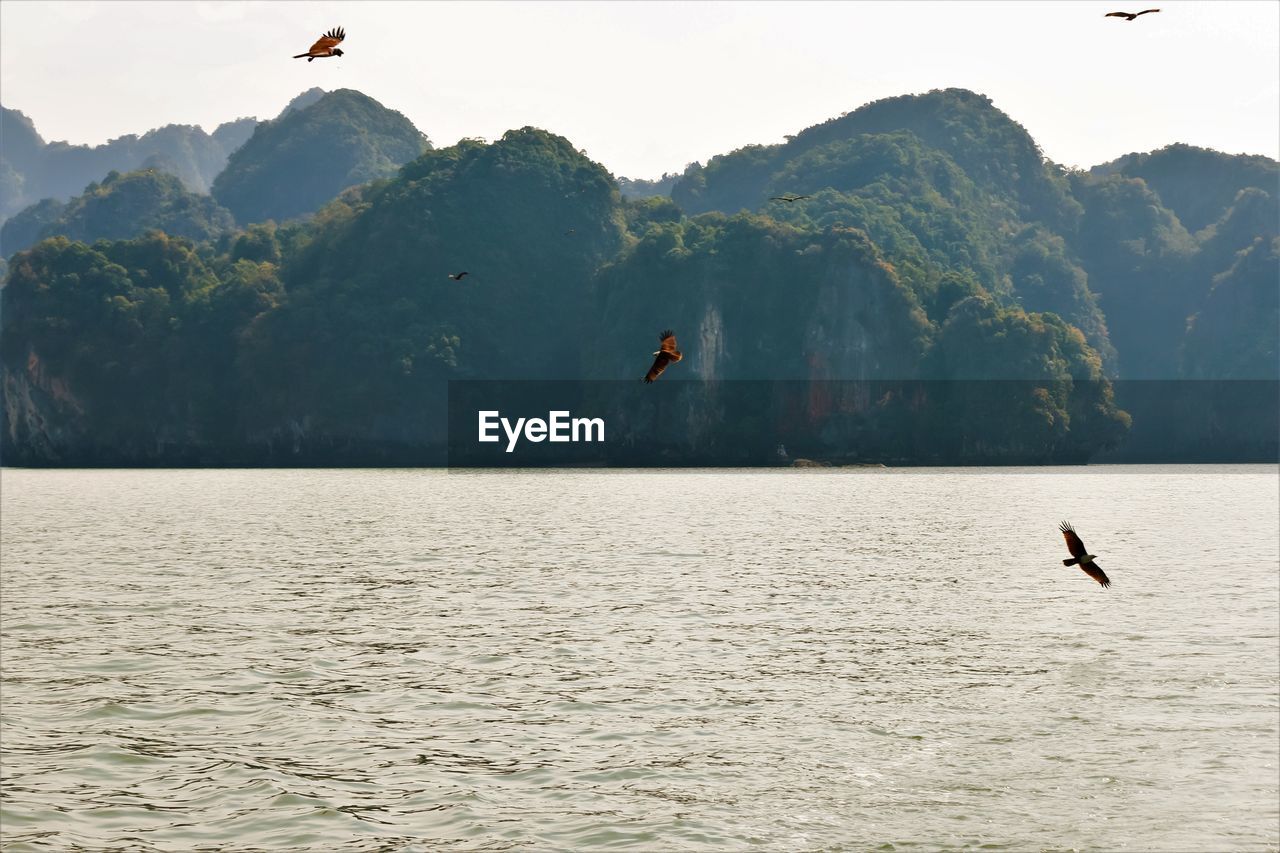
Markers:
point(43, 421)
point(857, 329)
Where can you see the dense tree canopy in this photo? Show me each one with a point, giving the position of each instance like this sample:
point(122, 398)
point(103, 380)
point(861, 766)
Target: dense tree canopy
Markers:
point(132, 336)
point(120, 207)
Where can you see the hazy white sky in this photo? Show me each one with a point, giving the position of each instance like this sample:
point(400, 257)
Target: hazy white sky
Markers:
point(645, 87)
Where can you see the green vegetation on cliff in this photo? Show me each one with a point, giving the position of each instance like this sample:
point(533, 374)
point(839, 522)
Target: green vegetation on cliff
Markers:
point(757, 299)
point(129, 342)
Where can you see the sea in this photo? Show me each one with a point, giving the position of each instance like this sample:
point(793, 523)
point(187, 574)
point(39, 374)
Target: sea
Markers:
point(782, 659)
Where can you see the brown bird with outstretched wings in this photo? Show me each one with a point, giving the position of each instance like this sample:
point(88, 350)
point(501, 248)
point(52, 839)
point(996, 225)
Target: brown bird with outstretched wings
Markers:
point(1129, 16)
point(666, 355)
point(1080, 556)
point(326, 46)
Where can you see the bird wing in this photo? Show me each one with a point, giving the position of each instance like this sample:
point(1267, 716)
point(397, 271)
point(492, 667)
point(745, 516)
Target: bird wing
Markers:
point(1074, 544)
point(1146, 11)
point(329, 40)
point(668, 339)
point(1095, 571)
point(1118, 15)
point(660, 362)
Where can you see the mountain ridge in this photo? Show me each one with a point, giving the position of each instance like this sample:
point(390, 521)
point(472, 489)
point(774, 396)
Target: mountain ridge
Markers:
point(934, 244)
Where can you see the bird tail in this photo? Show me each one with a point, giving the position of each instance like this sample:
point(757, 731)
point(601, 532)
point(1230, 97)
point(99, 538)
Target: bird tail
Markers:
point(1070, 562)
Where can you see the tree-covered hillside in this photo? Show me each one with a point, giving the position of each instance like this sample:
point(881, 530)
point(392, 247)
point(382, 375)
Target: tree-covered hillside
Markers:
point(122, 349)
point(755, 298)
point(1198, 184)
point(953, 192)
point(995, 152)
point(373, 323)
point(316, 148)
point(122, 206)
point(938, 290)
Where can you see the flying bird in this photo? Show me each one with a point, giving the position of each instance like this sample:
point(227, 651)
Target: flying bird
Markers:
point(789, 198)
point(664, 356)
point(326, 46)
point(1081, 557)
point(1129, 16)
point(459, 276)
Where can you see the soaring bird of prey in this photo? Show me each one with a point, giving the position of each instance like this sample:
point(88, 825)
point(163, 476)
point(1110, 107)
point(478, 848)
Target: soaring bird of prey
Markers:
point(664, 356)
point(459, 276)
point(789, 197)
point(1081, 557)
point(326, 46)
point(1129, 16)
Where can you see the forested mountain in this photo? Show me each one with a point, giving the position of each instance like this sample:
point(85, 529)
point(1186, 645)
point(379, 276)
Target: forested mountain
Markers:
point(1197, 184)
point(316, 148)
point(303, 99)
point(935, 247)
point(32, 169)
point(122, 206)
point(994, 153)
point(373, 324)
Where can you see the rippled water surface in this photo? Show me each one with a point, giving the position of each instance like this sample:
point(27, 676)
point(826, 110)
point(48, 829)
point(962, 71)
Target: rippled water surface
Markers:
point(785, 660)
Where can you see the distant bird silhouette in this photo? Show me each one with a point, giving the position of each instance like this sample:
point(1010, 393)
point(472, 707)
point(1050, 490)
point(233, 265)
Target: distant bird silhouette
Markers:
point(1080, 556)
point(570, 232)
point(1129, 16)
point(326, 46)
point(664, 356)
point(459, 276)
point(788, 198)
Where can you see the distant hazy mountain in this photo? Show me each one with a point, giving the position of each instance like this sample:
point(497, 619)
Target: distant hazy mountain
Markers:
point(37, 170)
point(303, 99)
point(32, 170)
point(315, 149)
point(918, 239)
